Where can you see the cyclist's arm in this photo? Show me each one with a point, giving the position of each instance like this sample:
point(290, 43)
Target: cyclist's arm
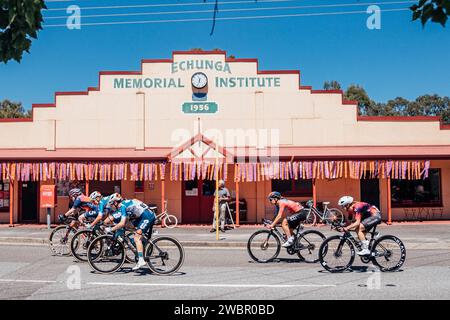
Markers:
point(355, 224)
point(70, 212)
point(97, 219)
point(123, 219)
point(120, 225)
point(278, 217)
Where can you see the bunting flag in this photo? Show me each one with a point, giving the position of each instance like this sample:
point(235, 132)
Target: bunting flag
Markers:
point(243, 172)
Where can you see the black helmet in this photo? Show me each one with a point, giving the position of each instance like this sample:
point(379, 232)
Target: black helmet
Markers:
point(274, 195)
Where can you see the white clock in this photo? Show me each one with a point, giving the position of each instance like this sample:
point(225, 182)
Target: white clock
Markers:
point(199, 80)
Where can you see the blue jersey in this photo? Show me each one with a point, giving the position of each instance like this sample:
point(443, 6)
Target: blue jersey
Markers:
point(104, 207)
point(132, 209)
point(84, 203)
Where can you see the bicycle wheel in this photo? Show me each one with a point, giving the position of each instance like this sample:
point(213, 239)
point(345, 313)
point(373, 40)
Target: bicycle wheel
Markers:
point(80, 243)
point(309, 243)
point(263, 246)
point(59, 240)
point(311, 218)
point(334, 215)
point(164, 255)
point(106, 254)
point(388, 253)
point(336, 254)
point(170, 221)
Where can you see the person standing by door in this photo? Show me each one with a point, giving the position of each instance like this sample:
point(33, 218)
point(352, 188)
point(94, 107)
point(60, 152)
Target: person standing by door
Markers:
point(224, 197)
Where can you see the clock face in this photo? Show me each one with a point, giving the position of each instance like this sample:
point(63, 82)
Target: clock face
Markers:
point(199, 80)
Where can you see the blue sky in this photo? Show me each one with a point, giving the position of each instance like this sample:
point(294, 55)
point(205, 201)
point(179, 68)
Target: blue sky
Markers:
point(401, 59)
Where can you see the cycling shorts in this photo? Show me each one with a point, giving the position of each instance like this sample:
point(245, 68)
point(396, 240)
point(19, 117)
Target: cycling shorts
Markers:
point(145, 221)
point(295, 219)
point(89, 215)
point(371, 221)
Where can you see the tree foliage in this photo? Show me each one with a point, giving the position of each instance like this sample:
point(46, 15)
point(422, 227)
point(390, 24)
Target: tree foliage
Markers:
point(10, 109)
point(436, 10)
point(20, 20)
point(425, 105)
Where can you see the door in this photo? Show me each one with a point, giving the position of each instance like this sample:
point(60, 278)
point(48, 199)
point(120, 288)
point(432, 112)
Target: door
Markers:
point(29, 201)
point(370, 191)
point(198, 200)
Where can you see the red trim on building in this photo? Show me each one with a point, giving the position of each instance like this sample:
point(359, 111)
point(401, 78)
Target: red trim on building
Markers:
point(231, 60)
point(16, 120)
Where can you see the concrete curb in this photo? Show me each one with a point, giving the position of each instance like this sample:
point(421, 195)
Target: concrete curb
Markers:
point(188, 244)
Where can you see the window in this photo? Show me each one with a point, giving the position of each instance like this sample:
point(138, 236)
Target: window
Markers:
point(4, 196)
point(293, 187)
point(139, 186)
point(414, 193)
point(63, 187)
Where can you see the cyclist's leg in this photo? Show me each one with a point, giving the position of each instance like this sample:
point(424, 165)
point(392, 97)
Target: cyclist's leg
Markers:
point(143, 225)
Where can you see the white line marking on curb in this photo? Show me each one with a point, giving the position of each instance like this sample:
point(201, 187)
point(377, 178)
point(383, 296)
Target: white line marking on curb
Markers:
point(215, 285)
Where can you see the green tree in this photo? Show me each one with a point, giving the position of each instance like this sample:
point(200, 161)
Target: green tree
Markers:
point(10, 109)
point(358, 93)
point(332, 85)
point(436, 10)
point(20, 20)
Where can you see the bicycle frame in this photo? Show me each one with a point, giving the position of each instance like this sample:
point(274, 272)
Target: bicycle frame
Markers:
point(318, 213)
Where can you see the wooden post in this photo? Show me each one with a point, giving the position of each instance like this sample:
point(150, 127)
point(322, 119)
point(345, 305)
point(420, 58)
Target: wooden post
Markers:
point(11, 203)
point(314, 192)
point(389, 196)
point(87, 187)
point(237, 204)
point(163, 199)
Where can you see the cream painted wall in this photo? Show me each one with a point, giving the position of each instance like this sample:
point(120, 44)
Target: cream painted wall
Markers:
point(303, 118)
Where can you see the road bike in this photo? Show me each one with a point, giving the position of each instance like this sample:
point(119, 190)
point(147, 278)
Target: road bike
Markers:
point(168, 220)
point(61, 236)
point(328, 215)
point(265, 245)
point(337, 253)
point(107, 253)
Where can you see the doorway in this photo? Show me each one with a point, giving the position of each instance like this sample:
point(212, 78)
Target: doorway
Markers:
point(28, 197)
point(198, 201)
point(370, 191)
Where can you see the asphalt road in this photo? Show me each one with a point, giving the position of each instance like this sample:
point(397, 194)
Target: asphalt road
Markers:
point(31, 272)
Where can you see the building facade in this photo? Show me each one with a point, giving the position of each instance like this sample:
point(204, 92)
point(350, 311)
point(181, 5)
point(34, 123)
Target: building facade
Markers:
point(167, 131)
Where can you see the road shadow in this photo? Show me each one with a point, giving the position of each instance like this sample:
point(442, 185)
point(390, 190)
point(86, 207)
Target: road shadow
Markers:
point(281, 260)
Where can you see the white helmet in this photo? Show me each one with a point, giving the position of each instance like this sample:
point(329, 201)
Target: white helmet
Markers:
point(95, 195)
point(115, 197)
point(345, 201)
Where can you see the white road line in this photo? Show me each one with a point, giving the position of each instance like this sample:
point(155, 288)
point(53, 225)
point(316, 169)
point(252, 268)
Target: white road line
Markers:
point(215, 285)
point(27, 281)
point(206, 285)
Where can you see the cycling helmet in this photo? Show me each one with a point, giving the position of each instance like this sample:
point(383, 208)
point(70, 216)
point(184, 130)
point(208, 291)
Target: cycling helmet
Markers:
point(115, 197)
point(345, 201)
point(73, 193)
point(96, 196)
point(274, 195)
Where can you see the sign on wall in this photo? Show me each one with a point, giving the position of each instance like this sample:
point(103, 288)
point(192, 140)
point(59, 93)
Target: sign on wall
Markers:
point(200, 107)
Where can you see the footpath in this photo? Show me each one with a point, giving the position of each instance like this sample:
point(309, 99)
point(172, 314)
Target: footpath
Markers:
point(415, 235)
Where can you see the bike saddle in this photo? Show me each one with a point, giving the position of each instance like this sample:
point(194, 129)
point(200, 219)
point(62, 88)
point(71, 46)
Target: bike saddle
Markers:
point(326, 203)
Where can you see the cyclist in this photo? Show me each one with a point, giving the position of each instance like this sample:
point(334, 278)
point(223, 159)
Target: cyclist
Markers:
point(291, 213)
point(139, 214)
point(104, 209)
point(80, 202)
point(366, 217)
point(93, 213)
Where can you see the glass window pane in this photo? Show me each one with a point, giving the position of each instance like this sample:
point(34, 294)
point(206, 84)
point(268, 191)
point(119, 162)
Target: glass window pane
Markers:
point(424, 192)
